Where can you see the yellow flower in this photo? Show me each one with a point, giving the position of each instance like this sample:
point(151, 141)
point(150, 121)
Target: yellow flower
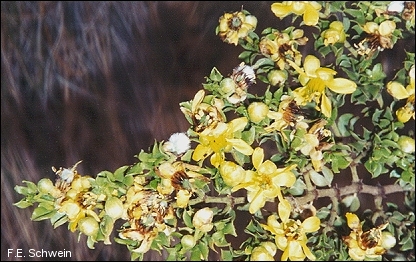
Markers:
point(202, 114)
point(222, 139)
point(264, 183)
point(290, 234)
point(408, 13)
point(78, 202)
point(289, 114)
point(235, 26)
point(367, 245)
point(309, 10)
point(313, 143)
point(398, 91)
point(235, 87)
point(335, 33)
point(380, 37)
point(315, 79)
point(279, 46)
point(178, 176)
point(148, 213)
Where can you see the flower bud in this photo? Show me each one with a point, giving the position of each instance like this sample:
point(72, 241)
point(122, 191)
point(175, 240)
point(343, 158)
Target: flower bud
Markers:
point(231, 173)
point(406, 144)
point(45, 185)
point(114, 207)
point(88, 226)
point(270, 247)
point(203, 219)
point(227, 86)
point(277, 77)
point(188, 241)
point(257, 111)
point(264, 252)
point(387, 240)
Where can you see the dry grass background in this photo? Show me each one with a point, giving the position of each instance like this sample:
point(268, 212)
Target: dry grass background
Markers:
point(98, 81)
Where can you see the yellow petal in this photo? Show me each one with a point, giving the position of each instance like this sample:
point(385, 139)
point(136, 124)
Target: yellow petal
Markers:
point(241, 146)
point(285, 177)
point(370, 27)
point(285, 254)
point(325, 74)
point(258, 156)
point(404, 114)
point(252, 21)
point(295, 251)
point(199, 96)
point(267, 168)
point(281, 9)
point(298, 7)
point(182, 198)
point(311, 15)
point(342, 85)
point(284, 209)
point(201, 152)
point(261, 254)
point(307, 251)
point(397, 90)
point(387, 27)
point(326, 106)
point(281, 243)
point(311, 224)
point(232, 173)
point(238, 124)
point(217, 159)
point(353, 221)
point(257, 202)
point(311, 64)
point(356, 254)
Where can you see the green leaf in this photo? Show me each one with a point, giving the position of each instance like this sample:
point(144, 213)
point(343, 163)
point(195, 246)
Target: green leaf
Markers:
point(318, 179)
point(59, 219)
point(298, 188)
point(23, 204)
point(42, 213)
point(196, 253)
point(226, 255)
point(203, 247)
point(187, 219)
point(119, 173)
point(30, 188)
point(229, 229)
point(406, 243)
point(264, 62)
point(215, 75)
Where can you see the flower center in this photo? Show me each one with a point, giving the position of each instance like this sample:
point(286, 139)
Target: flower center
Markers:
point(235, 23)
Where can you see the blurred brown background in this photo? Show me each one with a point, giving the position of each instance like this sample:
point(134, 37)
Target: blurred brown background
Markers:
point(98, 82)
